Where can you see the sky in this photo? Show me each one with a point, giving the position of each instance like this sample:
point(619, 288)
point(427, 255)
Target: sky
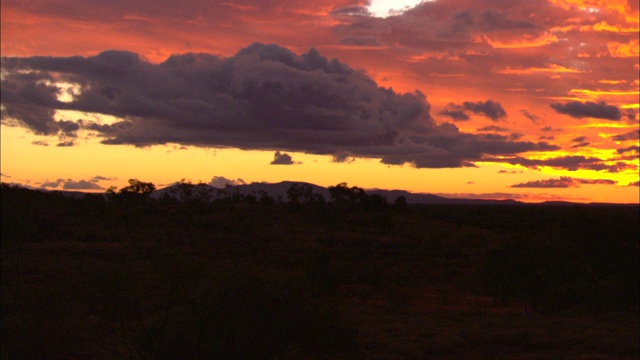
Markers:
point(531, 100)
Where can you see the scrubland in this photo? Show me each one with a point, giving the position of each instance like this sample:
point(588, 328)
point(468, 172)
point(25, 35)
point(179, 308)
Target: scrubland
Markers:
point(255, 278)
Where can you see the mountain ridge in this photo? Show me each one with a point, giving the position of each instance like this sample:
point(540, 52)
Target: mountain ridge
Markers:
point(279, 191)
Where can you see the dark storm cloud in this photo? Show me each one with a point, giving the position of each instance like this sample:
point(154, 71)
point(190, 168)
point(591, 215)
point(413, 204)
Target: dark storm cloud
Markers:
point(282, 159)
point(263, 98)
point(491, 109)
point(599, 110)
point(563, 182)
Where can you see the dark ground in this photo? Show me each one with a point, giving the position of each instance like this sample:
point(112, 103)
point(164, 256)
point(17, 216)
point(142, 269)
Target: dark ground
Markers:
point(244, 278)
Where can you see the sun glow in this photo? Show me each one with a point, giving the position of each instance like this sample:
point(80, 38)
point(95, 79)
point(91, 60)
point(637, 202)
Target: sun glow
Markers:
point(386, 8)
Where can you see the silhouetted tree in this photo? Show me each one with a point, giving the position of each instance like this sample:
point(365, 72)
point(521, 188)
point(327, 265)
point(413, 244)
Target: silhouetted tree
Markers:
point(400, 203)
point(299, 193)
point(137, 189)
point(342, 194)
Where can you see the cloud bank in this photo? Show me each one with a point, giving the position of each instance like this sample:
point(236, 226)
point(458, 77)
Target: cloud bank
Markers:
point(263, 98)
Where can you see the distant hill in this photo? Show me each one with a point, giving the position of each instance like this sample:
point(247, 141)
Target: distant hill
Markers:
point(279, 190)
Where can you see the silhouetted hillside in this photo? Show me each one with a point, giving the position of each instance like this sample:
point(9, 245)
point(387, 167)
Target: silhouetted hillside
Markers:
point(279, 191)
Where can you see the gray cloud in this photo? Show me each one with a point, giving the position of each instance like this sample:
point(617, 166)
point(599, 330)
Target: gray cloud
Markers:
point(599, 110)
point(491, 109)
point(81, 185)
point(69, 184)
point(633, 149)
point(571, 163)
point(52, 184)
point(581, 142)
point(534, 118)
point(563, 182)
point(455, 112)
point(263, 98)
point(631, 135)
point(494, 128)
point(282, 159)
point(99, 178)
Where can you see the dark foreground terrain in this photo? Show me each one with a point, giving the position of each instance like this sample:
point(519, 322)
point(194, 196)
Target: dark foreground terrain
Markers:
point(125, 276)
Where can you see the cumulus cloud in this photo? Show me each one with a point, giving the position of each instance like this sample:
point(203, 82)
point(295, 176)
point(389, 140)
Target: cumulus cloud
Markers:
point(282, 159)
point(599, 110)
point(563, 182)
point(263, 98)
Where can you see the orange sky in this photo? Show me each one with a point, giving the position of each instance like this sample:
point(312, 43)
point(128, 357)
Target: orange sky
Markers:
point(531, 100)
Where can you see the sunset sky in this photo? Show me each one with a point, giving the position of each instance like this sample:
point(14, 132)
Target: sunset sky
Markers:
point(499, 99)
